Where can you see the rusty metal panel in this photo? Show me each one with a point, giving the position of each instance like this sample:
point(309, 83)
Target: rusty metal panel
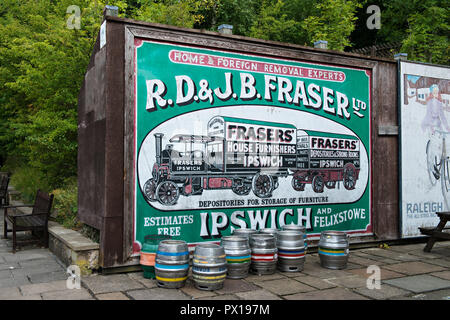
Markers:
point(385, 157)
point(91, 141)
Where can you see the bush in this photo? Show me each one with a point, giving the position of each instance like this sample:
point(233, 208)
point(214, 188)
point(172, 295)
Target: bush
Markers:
point(27, 180)
point(66, 205)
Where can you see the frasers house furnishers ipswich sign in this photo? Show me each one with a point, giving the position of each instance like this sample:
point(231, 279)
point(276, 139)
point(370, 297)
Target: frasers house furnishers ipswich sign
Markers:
point(226, 140)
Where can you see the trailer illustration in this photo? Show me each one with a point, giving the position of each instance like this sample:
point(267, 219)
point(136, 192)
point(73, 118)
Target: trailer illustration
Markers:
point(324, 159)
point(250, 156)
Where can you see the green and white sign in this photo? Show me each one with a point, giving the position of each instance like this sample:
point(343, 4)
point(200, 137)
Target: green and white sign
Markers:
point(226, 140)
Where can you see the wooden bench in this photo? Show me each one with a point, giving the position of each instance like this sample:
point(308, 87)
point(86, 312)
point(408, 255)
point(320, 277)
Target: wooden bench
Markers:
point(438, 232)
point(36, 221)
point(4, 183)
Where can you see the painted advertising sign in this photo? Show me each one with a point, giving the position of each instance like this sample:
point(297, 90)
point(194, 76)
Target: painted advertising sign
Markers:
point(227, 140)
point(425, 145)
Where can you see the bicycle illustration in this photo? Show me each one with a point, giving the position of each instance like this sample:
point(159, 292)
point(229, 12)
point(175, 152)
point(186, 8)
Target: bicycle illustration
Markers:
point(438, 164)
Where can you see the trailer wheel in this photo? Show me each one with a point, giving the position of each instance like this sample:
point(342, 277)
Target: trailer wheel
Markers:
point(297, 185)
point(241, 188)
point(318, 184)
point(167, 193)
point(262, 185)
point(150, 189)
point(349, 177)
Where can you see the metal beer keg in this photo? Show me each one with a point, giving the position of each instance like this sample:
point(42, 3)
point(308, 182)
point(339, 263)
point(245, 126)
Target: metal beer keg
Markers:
point(291, 250)
point(333, 249)
point(209, 267)
point(237, 251)
point(244, 232)
point(264, 254)
point(271, 231)
point(172, 264)
point(299, 228)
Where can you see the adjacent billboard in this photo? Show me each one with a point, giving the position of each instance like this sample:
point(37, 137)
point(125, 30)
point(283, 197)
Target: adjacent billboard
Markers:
point(227, 140)
point(425, 145)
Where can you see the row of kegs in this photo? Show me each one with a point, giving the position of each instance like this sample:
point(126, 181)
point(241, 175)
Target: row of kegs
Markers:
point(246, 250)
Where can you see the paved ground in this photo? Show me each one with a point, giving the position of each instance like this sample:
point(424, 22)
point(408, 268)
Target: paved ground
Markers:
point(406, 273)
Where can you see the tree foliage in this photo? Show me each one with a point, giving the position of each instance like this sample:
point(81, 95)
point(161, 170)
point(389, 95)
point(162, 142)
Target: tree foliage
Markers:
point(427, 36)
point(334, 23)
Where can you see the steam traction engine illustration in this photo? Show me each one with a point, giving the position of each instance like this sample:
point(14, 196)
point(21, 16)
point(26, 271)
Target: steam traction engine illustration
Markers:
point(249, 156)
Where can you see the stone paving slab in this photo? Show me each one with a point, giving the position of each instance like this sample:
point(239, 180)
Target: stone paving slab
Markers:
point(158, 294)
point(233, 286)
point(257, 295)
point(414, 267)
point(435, 295)
point(139, 277)
point(384, 273)
point(38, 288)
point(384, 293)
point(349, 282)
point(10, 293)
point(9, 266)
point(5, 274)
point(443, 274)
point(419, 283)
point(112, 296)
point(379, 260)
point(316, 270)
point(68, 294)
point(27, 255)
point(327, 294)
point(440, 262)
point(315, 282)
point(284, 286)
point(48, 276)
point(406, 248)
point(361, 261)
point(110, 283)
point(190, 290)
point(221, 297)
point(256, 278)
point(11, 282)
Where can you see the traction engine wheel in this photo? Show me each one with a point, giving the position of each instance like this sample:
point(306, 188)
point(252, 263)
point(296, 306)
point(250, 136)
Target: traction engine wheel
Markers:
point(240, 187)
point(262, 185)
point(167, 193)
point(150, 189)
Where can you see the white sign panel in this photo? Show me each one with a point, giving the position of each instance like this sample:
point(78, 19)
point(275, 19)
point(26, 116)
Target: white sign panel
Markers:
point(425, 145)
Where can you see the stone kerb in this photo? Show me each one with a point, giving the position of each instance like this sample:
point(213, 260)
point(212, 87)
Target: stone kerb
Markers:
point(72, 248)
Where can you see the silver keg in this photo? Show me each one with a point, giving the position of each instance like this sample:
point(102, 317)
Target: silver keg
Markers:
point(209, 267)
point(244, 232)
point(291, 250)
point(238, 254)
point(297, 227)
point(172, 264)
point(264, 254)
point(271, 231)
point(333, 249)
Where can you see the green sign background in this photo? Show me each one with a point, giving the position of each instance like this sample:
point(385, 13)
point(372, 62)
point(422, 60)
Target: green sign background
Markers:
point(153, 63)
